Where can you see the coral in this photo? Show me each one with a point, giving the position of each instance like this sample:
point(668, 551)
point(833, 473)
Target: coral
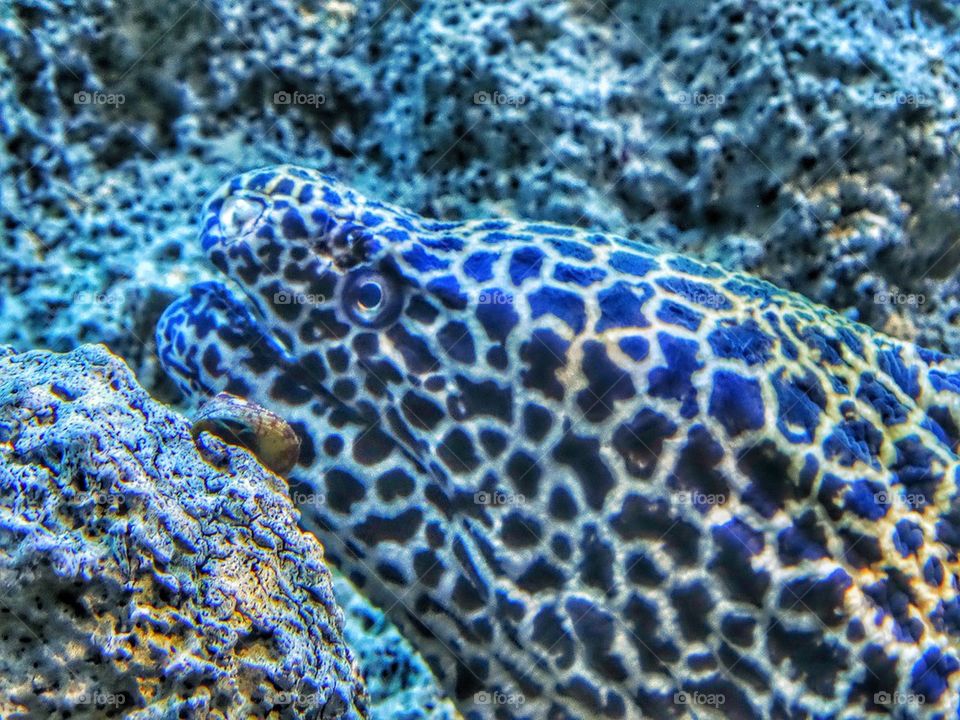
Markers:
point(145, 576)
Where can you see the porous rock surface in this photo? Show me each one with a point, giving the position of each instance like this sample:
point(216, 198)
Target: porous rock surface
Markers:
point(812, 142)
point(145, 576)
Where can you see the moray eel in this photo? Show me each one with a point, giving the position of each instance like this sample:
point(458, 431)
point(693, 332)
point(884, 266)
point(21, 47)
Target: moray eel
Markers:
point(590, 479)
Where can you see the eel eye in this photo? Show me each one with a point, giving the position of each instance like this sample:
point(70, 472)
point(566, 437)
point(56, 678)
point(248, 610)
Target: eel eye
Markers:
point(370, 298)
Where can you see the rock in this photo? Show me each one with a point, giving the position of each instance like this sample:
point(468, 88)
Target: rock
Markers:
point(145, 576)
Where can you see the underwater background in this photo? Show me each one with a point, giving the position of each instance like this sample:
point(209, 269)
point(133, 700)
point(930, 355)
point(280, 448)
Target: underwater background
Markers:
point(811, 143)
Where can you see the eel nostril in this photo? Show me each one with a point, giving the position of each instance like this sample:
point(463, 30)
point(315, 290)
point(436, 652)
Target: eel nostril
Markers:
point(348, 244)
point(240, 217)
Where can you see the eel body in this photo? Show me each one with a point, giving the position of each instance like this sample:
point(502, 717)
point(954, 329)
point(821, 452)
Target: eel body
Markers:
point(590, 479)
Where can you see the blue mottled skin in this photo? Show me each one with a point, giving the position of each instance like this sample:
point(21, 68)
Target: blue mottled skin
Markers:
point(587, 478)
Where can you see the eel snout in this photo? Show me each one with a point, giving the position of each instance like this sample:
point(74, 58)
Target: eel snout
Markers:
point(269, 209)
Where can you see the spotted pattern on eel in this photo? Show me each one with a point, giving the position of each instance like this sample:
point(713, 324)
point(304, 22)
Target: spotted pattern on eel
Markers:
point(590, 479)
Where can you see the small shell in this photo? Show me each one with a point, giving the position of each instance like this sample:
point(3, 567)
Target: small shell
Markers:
point(239, 422)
